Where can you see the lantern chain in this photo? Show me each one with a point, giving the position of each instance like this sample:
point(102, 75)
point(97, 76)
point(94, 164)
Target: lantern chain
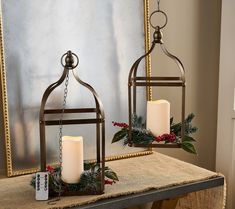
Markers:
point(61, 126)
point(52, 202)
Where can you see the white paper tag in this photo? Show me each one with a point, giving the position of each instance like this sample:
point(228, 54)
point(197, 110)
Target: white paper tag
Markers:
point(42, 186)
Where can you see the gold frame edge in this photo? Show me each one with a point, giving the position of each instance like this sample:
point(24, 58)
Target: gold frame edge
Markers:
point(5, 100)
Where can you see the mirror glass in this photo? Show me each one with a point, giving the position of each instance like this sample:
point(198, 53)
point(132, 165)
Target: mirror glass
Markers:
point(108, 36)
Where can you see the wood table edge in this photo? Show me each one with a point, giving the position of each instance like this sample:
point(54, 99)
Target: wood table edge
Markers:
point(152, 195)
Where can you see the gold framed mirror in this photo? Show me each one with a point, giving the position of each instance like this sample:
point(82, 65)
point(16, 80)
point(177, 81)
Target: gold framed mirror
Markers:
point(107, 36)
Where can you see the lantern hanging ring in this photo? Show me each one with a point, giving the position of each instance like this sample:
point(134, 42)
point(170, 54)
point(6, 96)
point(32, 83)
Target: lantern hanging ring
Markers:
point(157, 26)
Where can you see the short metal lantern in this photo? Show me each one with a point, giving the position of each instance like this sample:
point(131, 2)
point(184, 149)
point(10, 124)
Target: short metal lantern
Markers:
point(135, 81)
point(68, 62)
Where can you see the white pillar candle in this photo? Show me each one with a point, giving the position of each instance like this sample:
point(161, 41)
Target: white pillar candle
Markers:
point(72, 159)
point(158, 117)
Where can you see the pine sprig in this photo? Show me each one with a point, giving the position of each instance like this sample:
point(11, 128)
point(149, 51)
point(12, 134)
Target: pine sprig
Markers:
point(89, 181)
point(142, 137)
point(189, 128)
point(137, 122)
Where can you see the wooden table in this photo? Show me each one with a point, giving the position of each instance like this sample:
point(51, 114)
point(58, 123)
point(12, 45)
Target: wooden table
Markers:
point(163, 199)
point(153, 178)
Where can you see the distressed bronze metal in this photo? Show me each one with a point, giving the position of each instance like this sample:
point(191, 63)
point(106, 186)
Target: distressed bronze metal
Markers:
point(98, 110)
point(135, 81)
point(159, 145)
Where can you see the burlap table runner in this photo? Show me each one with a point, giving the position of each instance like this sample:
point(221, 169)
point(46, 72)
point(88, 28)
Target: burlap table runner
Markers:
point(135, 174)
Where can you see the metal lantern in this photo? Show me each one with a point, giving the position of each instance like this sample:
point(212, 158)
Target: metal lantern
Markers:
point(135, 81)
point(68, 62)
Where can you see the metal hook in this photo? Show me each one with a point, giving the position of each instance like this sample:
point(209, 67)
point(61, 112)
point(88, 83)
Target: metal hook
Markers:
point(158, 4)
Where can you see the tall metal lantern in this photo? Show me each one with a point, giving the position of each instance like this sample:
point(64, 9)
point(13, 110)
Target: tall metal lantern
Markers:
point(68, 62)
point(135, 81)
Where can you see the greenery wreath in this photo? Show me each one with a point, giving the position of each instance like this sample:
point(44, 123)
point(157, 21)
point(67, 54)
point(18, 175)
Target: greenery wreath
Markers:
point(89, 180)
point(142, 136)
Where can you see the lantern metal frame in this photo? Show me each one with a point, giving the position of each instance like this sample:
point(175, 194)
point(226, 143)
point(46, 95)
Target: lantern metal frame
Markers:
point(135, 81)
point(99, 119)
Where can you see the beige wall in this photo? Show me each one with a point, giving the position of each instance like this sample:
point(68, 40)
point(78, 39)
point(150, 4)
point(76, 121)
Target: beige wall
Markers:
point(225, 155)
point(192, 34)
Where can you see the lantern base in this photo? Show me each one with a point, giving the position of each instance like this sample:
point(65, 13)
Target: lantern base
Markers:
point(157, 145)
point(136, 135)
point(75, 193)
point(92, 181)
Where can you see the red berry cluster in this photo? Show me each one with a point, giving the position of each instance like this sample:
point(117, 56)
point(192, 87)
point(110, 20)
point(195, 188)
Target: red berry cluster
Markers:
point(121, 125)
point(111, 182)
point(170, 138)
point(50, 168)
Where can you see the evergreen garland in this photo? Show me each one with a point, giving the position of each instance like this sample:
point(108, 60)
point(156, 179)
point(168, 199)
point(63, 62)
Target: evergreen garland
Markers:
point(89, 180)
point(142, 136)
